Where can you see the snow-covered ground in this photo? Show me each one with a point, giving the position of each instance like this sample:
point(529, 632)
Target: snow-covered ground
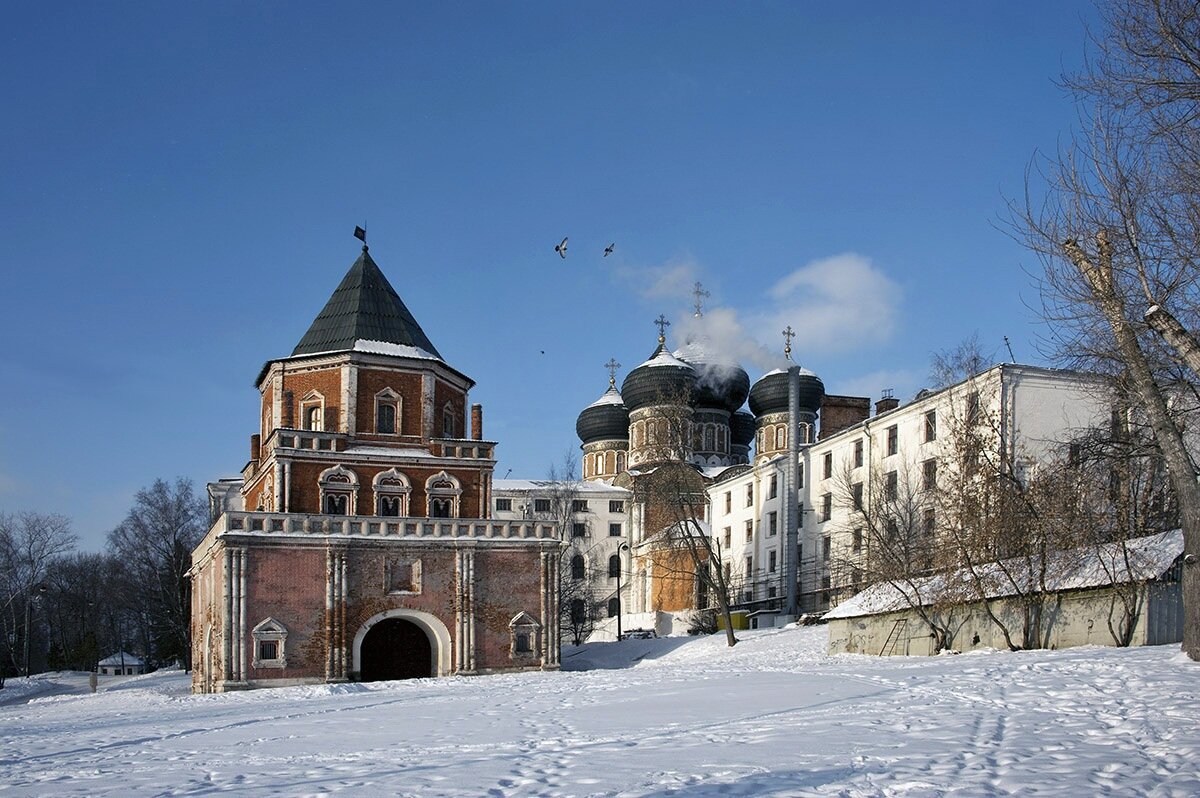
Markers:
point(677, 716)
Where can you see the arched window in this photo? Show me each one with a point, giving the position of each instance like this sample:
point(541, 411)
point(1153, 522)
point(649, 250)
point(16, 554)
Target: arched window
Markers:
point(620, 462)
point(392, 490)
point(710, 438)
point(614, 566)
point(780, 437)
point(577, 567)
point(312, 411)
point(339, 491)
point(387, 412)
point(614, 607)
point(578, 611)
point(443, 491)
point(449, 425)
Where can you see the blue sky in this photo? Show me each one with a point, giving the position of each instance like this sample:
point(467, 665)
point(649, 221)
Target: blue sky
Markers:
point(180, 183)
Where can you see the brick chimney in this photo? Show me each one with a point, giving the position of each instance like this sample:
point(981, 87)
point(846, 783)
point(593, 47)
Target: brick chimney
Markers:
point(477, 422)
point(886, 403)
point(839, 412)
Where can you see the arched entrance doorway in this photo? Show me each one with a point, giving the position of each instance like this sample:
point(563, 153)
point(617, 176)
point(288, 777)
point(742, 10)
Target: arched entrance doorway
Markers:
point(395, 648)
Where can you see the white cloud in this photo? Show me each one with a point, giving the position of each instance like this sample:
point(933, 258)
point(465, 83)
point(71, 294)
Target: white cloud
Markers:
point(837, 304)
point(673, 279)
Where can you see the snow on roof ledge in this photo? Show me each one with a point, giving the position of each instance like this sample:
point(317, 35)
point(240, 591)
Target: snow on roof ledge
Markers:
point(388, 348)
point(1149, 558)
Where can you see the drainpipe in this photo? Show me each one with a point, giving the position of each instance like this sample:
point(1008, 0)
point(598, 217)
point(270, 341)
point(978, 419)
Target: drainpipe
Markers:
point(791, 491)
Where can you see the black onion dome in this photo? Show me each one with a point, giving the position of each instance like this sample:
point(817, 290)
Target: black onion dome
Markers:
point(662, 379)
point(604, 419)
point(719, 383)
point(770, 393)
point(741, 428)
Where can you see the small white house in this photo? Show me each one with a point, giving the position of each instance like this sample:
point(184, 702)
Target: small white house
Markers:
point(1081, 606)
point(122, 664)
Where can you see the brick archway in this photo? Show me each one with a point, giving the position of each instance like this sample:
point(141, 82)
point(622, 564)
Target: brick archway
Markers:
point(434, 629)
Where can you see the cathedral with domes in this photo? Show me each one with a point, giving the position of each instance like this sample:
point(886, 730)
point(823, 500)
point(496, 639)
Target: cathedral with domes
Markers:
point(678, 425)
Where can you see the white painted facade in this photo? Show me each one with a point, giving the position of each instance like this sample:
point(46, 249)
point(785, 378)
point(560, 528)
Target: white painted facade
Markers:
point(598, 525)
point(1036, 409)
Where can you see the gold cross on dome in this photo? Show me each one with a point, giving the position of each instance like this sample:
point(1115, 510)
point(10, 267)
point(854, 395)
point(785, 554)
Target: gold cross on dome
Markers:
point(788, 335)
point(662, 324)
point(612, 365)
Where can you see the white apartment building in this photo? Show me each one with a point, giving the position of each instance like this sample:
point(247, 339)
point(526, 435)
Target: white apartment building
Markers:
point(596, 529)
point(1037, 410)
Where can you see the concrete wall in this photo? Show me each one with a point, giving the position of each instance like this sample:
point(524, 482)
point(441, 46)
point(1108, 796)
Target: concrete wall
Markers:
point(1073, 619)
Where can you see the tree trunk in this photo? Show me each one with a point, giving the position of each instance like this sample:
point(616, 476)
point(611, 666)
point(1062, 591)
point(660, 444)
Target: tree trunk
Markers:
point(1099, 277)
point(1175, 334)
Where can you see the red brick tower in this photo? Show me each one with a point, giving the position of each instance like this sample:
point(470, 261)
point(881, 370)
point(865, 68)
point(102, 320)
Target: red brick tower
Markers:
point(363, 550)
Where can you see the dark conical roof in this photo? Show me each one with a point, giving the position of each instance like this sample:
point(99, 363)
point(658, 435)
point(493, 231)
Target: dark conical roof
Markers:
point(364, 307)
point(770, 393)
point(604, 419)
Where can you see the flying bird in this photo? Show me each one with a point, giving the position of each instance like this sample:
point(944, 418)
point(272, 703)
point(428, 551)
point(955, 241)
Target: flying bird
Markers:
point(561, 249)
point(608, 250)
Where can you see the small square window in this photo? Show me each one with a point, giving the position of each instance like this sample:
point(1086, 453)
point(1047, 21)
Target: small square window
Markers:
point(616, 506)
point(578, 530)
point(541, 505)
point(579, 506)
point(504, 505)
point(268, 649)
point(614, 530)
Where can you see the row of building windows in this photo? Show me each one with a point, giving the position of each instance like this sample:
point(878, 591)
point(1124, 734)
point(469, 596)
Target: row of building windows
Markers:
point(388, 407)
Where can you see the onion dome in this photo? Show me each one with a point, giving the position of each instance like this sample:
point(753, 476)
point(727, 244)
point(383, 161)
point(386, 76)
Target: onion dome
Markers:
point(741, 428)
point(719, 382)
point(663, 378)
point(604, 419)
point(770, 393)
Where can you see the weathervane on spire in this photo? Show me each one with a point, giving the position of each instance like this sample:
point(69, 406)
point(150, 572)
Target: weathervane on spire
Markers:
point(612, 365)
point(700, 294)
point(788, 335)
point(361, 234)
point(662, 325)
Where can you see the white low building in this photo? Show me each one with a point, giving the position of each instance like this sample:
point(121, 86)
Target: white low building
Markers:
point(121, 664)
point(1081, 604)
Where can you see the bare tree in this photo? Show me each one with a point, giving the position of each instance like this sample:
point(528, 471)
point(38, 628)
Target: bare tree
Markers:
point(155, 543)
point(1119, 234)
point(29, 544)
point(888, 538)
point(959, 363)
point(1116, 479)
point(680, 544)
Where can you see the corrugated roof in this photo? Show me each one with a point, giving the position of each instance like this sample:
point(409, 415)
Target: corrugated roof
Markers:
point(364, 307)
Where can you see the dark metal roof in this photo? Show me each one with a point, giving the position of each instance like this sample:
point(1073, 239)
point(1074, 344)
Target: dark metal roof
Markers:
point(363, 307)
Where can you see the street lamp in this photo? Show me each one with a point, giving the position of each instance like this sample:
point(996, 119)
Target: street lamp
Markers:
point(620, 567)
point(41, 589)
